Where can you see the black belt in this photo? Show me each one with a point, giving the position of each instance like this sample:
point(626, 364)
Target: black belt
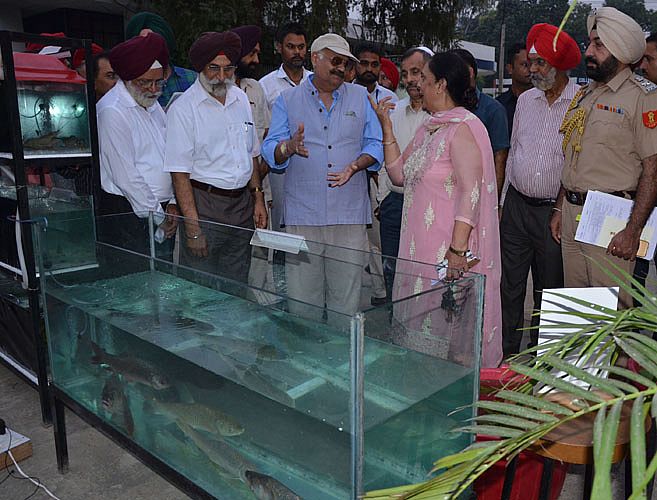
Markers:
point(230, 193)
point(534, 202)
point(576, 198)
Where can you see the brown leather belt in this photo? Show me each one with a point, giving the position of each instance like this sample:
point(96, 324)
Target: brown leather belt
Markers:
point(576, 198)
point(230, 193)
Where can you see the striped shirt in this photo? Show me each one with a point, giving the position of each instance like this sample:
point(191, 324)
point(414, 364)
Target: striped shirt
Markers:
point(536, 158)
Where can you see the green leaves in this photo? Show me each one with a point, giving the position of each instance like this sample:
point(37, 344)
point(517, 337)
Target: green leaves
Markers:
point(525, 413)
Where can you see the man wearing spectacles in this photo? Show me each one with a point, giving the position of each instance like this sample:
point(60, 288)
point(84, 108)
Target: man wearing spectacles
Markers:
point(325, 133)
point(211, 153)
point(131, 134)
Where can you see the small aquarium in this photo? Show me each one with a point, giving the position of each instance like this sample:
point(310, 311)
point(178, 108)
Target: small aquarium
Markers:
point(259, 391)
point(52, 107)
point(70, 222)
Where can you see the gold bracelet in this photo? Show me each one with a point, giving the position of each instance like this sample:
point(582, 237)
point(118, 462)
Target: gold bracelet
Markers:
point(389, 143)
point(257, 189)
point(460, 253)
point(283, 148)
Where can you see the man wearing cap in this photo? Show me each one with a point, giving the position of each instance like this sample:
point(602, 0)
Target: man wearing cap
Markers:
point(326, 134)
point(211, 151)
point(533, 171)
point(406, 118)
point(610, 145)
point(177, 79)
point(131, 135)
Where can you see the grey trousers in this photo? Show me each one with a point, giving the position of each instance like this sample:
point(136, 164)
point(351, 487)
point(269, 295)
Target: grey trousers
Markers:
point(229, 249)
point(329, 274)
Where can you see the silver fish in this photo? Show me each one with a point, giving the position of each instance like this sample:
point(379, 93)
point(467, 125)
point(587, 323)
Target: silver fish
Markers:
point(265, 487)
point(200, 417)
point(219, 452)
point(131, 368)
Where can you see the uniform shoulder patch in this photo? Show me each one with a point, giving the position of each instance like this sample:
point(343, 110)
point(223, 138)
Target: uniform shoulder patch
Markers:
point(643, 83)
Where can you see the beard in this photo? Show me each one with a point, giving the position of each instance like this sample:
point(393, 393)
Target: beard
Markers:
point(544, 82)
point(215, 87)
point(366, 78)
point(144, 98)
point(295, 62)
point(246, 70)
point(601, 72)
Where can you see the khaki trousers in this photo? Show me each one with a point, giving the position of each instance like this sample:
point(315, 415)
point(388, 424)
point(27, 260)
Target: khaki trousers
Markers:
point(584, 264)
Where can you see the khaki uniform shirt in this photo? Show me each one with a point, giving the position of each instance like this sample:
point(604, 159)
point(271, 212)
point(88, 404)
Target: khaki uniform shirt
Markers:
point(619, 130)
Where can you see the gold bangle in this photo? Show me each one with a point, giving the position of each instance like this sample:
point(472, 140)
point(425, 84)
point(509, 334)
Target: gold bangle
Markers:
point(460, 253)
point(257, 189)
point(389, 143)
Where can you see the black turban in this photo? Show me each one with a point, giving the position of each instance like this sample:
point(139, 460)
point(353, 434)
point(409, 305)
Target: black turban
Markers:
point(212, 44)
point(250, 36)
point(134, 57)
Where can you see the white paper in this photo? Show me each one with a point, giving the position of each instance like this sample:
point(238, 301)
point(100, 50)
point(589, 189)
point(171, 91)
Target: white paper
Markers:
point(604, 215)
point(291, 243)
point(554, 311)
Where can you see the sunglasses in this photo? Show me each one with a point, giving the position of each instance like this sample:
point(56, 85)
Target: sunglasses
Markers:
point(338, 61)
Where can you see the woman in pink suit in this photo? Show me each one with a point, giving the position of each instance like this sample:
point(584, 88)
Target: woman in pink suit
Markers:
point(450, 206)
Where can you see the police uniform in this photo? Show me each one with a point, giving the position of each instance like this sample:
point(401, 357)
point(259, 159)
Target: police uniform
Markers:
point(608, 130)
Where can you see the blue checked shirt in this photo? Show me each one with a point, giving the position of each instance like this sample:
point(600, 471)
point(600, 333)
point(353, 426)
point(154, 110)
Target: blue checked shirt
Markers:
point(179, 81)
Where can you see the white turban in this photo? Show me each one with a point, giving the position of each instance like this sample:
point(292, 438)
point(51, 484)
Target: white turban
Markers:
point(621, 34)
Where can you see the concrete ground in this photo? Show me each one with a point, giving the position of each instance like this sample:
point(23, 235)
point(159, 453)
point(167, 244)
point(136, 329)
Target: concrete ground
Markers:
point(100, 469)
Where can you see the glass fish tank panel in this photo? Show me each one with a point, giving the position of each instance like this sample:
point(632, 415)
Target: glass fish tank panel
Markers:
point(54, 120)
point(250, 392)
point(69, 219)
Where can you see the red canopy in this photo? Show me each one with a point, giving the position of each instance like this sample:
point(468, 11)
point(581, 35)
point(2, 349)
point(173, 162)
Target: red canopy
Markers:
point(42, 68)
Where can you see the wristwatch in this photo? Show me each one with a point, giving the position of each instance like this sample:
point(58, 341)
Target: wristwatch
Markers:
point(284, 148)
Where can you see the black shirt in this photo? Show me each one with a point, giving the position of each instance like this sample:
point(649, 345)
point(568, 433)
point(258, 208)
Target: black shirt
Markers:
point(509, 100)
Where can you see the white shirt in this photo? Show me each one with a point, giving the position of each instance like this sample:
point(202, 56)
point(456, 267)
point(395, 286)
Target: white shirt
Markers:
point(405, 122)
point(215, 143)
point(277, 81)
point(131, 141)
point(380, 92)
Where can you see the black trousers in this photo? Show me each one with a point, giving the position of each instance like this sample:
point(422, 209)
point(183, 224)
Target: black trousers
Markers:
point(390, 228)
point(526, 245)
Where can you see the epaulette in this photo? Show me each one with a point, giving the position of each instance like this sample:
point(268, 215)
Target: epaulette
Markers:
point(643, 83)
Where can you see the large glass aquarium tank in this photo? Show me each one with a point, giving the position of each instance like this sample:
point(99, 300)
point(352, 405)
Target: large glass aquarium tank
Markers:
point(52, 104)
point(254, 388)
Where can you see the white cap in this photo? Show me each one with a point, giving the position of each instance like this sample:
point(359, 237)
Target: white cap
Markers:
point(332, 42)
point(426, 50)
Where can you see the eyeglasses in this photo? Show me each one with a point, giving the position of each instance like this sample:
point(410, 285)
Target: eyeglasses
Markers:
point(147, 84)
point(336, 60)
point(215, 68)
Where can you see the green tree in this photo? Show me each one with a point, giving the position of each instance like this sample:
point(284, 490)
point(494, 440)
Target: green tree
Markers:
point(636, 9)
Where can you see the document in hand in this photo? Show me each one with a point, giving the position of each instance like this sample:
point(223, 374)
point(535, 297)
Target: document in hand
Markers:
point(604, 215)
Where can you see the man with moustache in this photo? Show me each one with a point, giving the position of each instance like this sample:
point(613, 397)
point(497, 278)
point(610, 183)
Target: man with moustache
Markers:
point(368, 69)
point(131, 135)
point(104, 76)
point(649, 61)
point(291, 44)
point(325, 133)
point(533, 171)
point(407, 116)
point(610, 145)
point(518, 68)
point(211, 152)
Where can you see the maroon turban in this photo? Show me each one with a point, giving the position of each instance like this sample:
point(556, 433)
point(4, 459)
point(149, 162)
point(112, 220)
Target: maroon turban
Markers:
point(212, 44)
point(250, 36)
point(134, 57)
point(541, 38)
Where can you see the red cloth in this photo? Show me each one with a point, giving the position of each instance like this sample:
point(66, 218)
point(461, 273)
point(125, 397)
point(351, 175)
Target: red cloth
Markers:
point(210, 44)
point(391, 71)
point(78, 55)
point(36, 47)
point(541, 37)
point(134, 57)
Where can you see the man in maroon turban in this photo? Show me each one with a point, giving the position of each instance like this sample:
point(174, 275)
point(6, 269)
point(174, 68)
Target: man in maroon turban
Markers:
point(211, 151)
point(131, 135)
point(533, 170)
